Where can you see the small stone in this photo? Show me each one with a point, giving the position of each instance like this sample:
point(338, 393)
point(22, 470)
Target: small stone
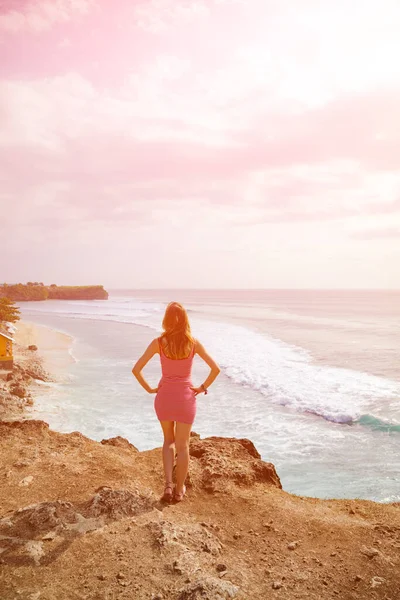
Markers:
point(101, 577)
point(203, 524)
point(221, 567)
point(352, 511)
point(325, 582)
point(176, 568)
point(358, 578)
point(236, 536)
point(370, 552)
point(157, 597)
point(120, 575)
point(375, 581)
point(22, 463)
point(49, 536)
point(26, 480)
point(276, 585)
point(333, 553)
point(292, 545)
point(35, 596)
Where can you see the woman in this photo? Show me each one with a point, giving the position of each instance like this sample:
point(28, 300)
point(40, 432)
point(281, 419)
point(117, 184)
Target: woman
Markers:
point(175, 401)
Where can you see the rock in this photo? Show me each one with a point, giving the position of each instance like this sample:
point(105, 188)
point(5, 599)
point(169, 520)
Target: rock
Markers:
point(49, 536)
point(292, 545)
point(176, 568)
point(208, 588)
point(32, 347)
point(26, 426)
point(119, 442)
point(101, 577)
point(22, 463)
point(191, 536)
point(358, 578)
point(34, 549)
point(18, 390)
point(221, 567)
point(120, 575)
point(116, 504)
point(10, 376)
point(276, 585)
point(370, 552)
point(376, 581)
point(157, 597)
point(220, 462)
point(26, 480)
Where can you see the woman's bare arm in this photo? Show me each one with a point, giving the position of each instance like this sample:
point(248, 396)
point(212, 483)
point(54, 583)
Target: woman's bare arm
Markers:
point(215, 370)
point(150, 351)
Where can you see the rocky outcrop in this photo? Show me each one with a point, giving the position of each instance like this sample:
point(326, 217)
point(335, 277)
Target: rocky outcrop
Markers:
point(15, 395)
point(83, 519)
point(119, 442)
point(220, 462)
point(38, 291)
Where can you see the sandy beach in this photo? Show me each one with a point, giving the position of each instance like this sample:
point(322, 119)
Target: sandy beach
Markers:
point(48, 363)
point(54, 347)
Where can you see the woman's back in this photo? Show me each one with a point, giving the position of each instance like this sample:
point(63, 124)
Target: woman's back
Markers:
point(177, 369)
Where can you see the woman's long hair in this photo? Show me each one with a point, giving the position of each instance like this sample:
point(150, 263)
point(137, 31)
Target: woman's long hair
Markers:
point(177, 335)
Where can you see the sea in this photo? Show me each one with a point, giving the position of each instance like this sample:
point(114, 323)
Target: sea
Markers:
point(312, 378)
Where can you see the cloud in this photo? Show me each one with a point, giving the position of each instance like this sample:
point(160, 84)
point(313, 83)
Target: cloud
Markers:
point(157, 16)
point(38, 16)
point(75, 155)
point(383, 233)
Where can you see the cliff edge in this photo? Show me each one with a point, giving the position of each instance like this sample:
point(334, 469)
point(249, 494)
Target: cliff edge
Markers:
point(81, 519)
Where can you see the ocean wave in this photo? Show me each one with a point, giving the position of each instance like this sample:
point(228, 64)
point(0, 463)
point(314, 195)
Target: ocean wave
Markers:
point(378, 424)
point(284, 374)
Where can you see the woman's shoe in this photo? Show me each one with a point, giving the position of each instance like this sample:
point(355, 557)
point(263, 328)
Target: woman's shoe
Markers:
point(179, 497)
point(168, 492)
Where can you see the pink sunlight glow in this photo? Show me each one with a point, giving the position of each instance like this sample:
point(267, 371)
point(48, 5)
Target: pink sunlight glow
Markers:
point(201, 143)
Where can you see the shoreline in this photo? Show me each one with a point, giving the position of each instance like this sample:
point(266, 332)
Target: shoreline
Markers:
point(54, 347)
point(32, 368)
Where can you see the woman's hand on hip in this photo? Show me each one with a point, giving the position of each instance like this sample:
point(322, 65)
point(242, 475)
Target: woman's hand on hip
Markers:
point(197, 390)
point(153, 390)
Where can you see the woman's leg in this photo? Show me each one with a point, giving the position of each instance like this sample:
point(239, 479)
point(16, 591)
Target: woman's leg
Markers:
point(182, 435)
point(168, 428)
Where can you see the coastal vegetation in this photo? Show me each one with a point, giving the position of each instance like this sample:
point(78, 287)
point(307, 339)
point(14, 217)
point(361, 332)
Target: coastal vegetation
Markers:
point(33, 291)
point(9, 312)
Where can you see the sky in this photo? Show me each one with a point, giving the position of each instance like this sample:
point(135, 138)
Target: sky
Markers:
point(200, 143)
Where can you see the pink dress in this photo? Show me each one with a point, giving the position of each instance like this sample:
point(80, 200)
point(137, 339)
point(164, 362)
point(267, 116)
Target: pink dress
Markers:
point(175, 401)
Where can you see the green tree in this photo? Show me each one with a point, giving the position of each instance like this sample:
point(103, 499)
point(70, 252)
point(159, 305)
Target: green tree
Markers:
point(9, 312)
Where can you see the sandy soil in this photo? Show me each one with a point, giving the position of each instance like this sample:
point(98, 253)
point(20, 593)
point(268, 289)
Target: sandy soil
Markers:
point(83, 520)
point(53, 346)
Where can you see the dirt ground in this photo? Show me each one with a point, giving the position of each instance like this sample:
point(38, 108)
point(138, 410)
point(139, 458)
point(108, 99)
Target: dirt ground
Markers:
point(81, 519)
